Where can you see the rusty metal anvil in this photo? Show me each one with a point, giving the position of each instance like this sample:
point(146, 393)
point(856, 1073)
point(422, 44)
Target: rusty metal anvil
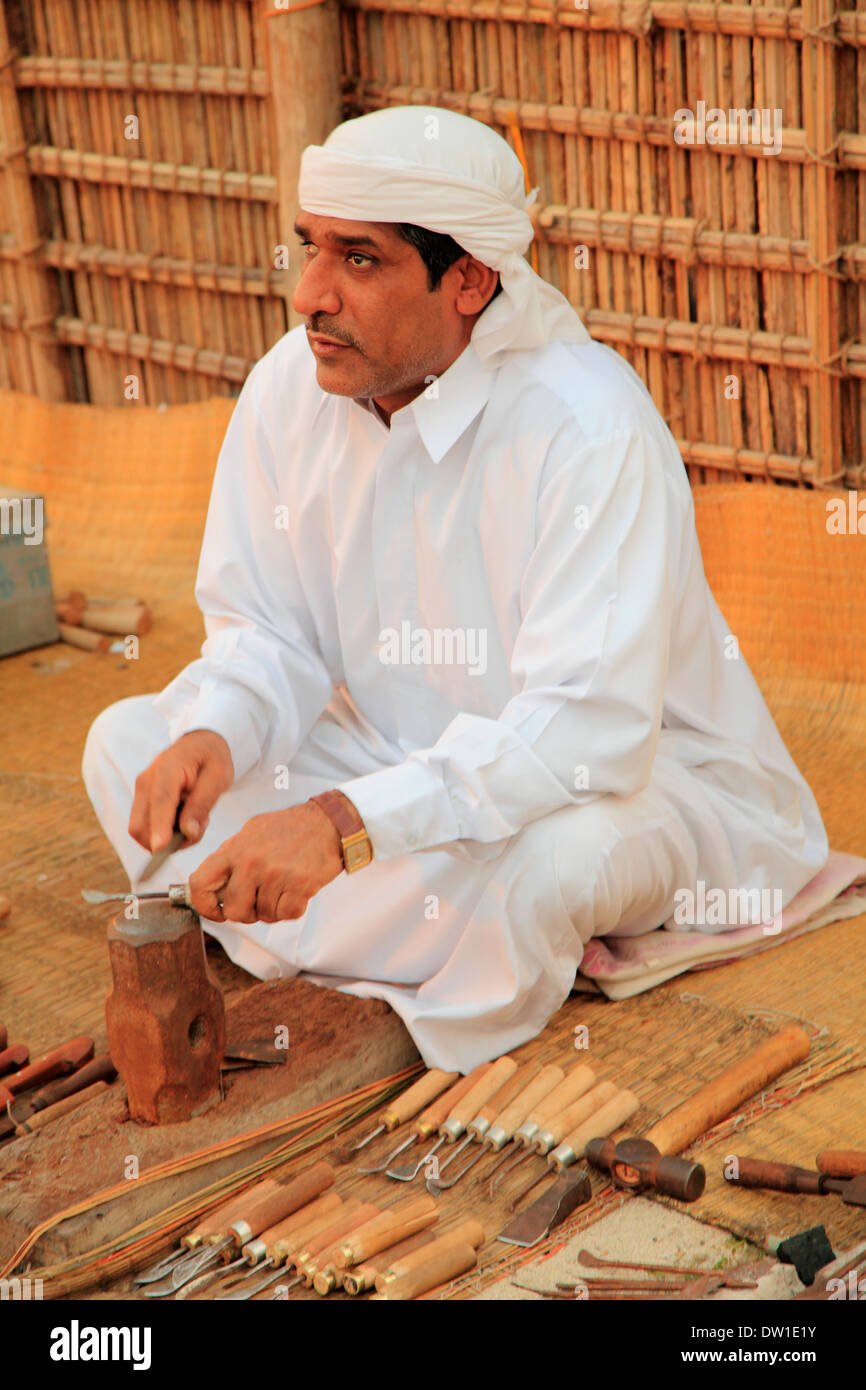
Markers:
point(638, 1164)
point(165, 1015)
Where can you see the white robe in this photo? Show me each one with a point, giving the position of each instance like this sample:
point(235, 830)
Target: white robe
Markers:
point(490, 627)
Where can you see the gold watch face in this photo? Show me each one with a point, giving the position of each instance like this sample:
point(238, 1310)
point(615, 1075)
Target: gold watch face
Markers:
point(357, 856)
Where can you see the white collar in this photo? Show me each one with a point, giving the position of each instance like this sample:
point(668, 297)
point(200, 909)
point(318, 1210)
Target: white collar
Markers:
point(447, 407)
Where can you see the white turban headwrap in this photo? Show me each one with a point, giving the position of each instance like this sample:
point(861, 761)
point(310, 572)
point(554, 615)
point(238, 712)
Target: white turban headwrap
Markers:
point(449, 173)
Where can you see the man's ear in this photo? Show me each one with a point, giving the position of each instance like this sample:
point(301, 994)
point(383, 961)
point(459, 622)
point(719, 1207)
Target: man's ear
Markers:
point(477, 287)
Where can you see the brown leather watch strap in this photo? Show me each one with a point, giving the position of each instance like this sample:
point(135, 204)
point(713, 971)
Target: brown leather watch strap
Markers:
point(355, 843)
point(341, 811)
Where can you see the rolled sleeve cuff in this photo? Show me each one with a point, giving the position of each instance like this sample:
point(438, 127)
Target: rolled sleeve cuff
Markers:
point(224, 712)
point(404, 809)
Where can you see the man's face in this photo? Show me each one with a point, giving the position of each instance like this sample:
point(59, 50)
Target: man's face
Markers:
point(366, 287)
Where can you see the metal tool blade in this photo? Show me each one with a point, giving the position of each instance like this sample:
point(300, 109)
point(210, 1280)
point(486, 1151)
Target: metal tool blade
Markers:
point(187, 1270)
point(248, 1291)
point(571, 1189)
point(157, 860)
point(210, 1276)
point(162, 1267)
point(851, 1190)
point(177, 895)
point(260, 1052)
point(92, 895)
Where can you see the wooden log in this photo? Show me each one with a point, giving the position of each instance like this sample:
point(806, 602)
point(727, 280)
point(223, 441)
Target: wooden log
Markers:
point(81, 637)
point(121, 618)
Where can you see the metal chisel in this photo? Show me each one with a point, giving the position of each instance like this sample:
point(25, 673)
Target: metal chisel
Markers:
point(177, 894)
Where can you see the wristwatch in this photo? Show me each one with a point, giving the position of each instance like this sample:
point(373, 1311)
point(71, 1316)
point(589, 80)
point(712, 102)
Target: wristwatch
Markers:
point(357, 849)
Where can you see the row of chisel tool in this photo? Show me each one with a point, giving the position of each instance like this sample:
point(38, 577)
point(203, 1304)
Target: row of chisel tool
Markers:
point(303, 1234)
point(516, 1112)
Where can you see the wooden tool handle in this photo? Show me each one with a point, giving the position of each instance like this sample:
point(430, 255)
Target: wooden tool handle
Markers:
point(518, 1106)
point(468, 1232)
point(506, 1095)
point(63, 1107)
point(322, 1250)
point(573, 1115)
point(83, 637)
point(720, 1098)
point(299, 1220)
point(577, 1082)
point(467, 1108)
point(363, 1277)
point(59, 1062)
point(344, 1218)
point(282, 1249)
point(100, 1069)
point(14, 1058)
point(612, 1114)
point(841, 1163)
point(394, 1224)
point(438, 1112)
point(119, 618)
point(448, 1263)
point(779, 1177)
point(4, 1036)
point(288, 1197)
point(411, 1102)
point(217, 1222)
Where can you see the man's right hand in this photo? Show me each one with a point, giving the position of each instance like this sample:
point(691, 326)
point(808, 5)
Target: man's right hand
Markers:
point(196, 771)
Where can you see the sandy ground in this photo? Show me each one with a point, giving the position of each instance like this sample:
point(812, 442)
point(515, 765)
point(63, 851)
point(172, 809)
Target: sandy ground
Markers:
point(642, 1230)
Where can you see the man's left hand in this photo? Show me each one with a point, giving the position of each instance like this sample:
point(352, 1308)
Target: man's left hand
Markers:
point(271, 869)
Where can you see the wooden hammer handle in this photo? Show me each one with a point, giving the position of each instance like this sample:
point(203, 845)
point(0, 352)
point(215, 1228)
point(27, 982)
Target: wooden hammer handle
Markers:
point(100, 1069)
point(841, 1163)
point(14, 1058)
point(424, 1091)
point(62, 1107)
point(720, 1098)
point(59, 1062)
point(779, 1177)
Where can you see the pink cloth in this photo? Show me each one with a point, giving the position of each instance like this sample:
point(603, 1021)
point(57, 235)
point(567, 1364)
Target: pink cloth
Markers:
point(621, 967)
